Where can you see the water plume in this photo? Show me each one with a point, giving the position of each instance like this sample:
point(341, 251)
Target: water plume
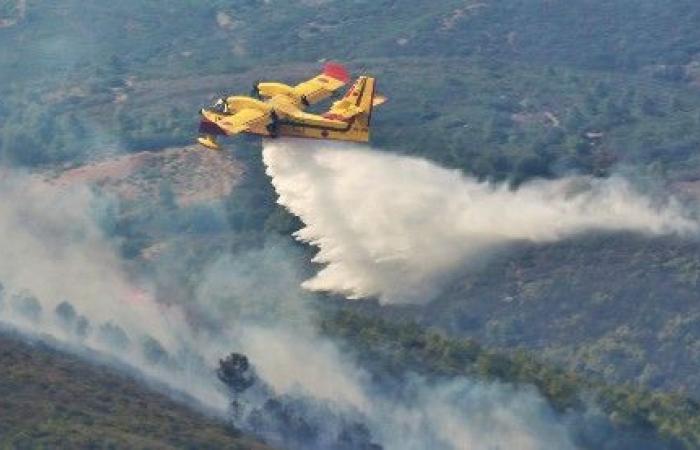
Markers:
point(395, 227)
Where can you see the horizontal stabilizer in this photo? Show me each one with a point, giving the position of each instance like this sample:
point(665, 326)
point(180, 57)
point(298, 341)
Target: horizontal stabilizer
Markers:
point(378, 100)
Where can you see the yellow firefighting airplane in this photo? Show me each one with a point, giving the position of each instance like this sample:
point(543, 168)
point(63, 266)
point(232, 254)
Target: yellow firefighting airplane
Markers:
point(278, 110)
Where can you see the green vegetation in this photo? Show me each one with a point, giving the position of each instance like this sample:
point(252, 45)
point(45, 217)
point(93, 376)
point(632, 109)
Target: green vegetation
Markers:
point(622, 308)
point(508, 90)
point(658, 420)
point(53, 400)
point(520, 120)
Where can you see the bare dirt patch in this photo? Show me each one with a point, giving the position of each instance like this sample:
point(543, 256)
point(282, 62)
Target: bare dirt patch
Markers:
point(192, 175)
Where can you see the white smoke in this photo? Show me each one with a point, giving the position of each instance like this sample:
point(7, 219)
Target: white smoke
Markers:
point(462, 415)
point(52, 248)
point(301, 363)
point(394, 227)
point(271, 320)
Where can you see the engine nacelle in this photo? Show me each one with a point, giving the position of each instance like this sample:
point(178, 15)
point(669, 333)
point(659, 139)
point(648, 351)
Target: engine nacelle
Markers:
point(237, 103)
point(266, 89)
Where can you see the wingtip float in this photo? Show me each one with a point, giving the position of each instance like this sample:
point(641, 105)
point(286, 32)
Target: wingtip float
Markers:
point(276, 109)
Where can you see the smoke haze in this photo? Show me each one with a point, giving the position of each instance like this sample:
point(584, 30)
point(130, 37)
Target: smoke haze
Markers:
point(396, 227)
point(385, 225)
point(54, 250)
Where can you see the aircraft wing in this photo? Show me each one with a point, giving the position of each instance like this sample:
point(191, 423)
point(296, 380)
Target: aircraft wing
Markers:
point(243, 120)
point(320, 87)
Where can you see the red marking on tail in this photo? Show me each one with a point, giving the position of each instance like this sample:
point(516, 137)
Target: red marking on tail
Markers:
point(337, 71)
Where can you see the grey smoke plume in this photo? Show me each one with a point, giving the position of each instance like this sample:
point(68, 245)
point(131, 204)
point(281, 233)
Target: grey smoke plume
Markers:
point(466, 415)
point(393, 227)
point(271, 320)
point(250, 302)
point(53, 247)
point(63, 278)
point(268, 317)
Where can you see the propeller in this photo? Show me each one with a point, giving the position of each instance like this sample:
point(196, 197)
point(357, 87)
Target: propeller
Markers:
point(255, 92)
point(219, 103)
point(220, 95)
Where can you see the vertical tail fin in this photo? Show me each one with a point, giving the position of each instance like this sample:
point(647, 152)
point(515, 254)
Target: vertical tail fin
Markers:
point(365, 103)
point(366, 100)
point(358, 100)
point(355, 108)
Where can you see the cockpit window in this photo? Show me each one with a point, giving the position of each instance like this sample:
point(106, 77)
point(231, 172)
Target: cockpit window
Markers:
point(220, 106)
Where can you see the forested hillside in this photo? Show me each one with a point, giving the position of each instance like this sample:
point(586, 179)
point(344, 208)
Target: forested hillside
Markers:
point(628, 418)
point(53, 400)
point(619, 308)
point(508, 91)
point(499, 89)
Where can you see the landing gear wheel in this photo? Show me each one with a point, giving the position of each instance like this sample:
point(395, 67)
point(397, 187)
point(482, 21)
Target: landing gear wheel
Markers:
point(272, 129)
point(273, 126)
point(255, 92)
